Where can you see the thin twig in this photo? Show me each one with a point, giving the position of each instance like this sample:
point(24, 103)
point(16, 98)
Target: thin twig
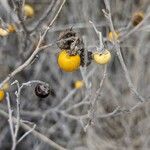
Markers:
point(117, 48)
point(101, 45)
point(35, 133)
point(44, 16)
point(98, 92)
point(26, 134)
point(29, 60)
point(14, 142)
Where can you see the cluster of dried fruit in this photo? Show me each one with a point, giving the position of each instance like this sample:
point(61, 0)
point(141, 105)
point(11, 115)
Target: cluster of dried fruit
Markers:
point(73, 54)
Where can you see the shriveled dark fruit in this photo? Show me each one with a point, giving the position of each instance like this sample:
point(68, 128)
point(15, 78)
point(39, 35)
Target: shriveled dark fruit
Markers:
point(84, 61)
point(70, 41)
point(67, 33)
point(42, 90)
point(77, 45)
point(65, 42)
point(137, 18)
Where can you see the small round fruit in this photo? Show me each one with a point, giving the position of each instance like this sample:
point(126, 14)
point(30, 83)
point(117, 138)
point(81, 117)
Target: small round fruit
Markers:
point(28, 10)
point(11, 28)
point(68, 62)
point(42, 90)
point(137, 18)
point(78, 84)
point(2, 95)
point(113, 36)
point(5, 87)
point(102, 58)
point(3, 32)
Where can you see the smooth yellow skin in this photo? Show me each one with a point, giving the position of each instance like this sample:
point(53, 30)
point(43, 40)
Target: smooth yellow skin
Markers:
point(3, 32)
point(2, 95)
point(11, 28)
point(111, 34)
point(79, 84)
point(102, 58)
point(28, 10)
point(5, 87)
point(68, 63)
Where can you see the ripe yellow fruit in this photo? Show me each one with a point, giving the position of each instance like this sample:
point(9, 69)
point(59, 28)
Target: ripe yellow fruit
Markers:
point(5, 87)
point(102, 58)
point(3, 32)
point(2, 95)
point(137, 18)
point(68, 62)
point(11, 28)
point(28, 10)
point(111, 34)
point(78, 84)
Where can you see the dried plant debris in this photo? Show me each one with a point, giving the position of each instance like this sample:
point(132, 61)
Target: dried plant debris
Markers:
point(73, 43)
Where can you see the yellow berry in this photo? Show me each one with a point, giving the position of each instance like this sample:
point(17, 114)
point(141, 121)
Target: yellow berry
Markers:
point(113, 36)
point(137, 18)
point(68, 62)
point(102, 58)
point(3, 32)
point(11, 28)
point(5, 87)
point(28, 10)
point(2, 95)
point(78, 84)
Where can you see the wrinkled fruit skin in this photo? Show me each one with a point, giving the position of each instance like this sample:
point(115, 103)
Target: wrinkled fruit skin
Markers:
point(103, 58)
point(65, 44)
point(85, 61)
point(68, 63)
point(137, 18)
point(2, 95)
point(42, 90)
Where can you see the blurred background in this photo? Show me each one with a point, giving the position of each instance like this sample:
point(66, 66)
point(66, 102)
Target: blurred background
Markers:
point(63, 115)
